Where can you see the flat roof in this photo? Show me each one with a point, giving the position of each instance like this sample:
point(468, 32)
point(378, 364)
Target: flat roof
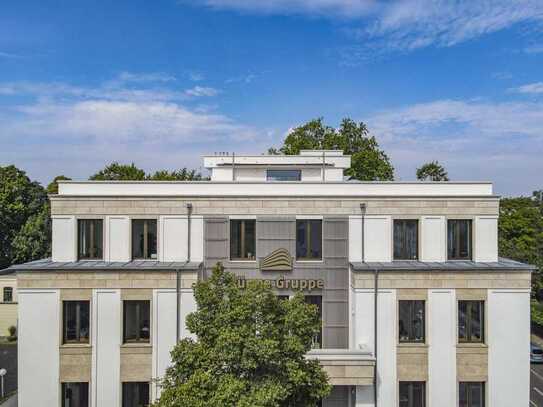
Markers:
point(502, 264)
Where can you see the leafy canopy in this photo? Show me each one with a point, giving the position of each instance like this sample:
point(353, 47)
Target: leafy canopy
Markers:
point(249, 350)
point(368, 161)
point(129, 172)
point(432, 171)
point(52, 188)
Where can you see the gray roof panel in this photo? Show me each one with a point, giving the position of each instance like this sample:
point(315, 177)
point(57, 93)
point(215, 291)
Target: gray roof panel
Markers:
point(502, 264)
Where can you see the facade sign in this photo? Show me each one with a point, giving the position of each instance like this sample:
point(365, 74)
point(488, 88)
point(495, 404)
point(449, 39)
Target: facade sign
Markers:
point(278, 260)
point(285, 283)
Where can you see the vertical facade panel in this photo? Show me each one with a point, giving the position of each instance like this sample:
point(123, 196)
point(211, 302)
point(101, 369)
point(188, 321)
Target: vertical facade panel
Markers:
point(377, 238)
point(433, 245)
point(64, 238)
point(118, 238)
point(486, 238)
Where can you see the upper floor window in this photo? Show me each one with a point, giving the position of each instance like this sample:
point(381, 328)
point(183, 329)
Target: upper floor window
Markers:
point(471, 394)
point(135, 394)
point(412, 394)
point(284, 175)
point(316, 300)
point(76, 317)
point(459, 237)
point(406, 239)
point(242, 239)
point(8, 294)
point(471, 321)
point(136, 321)
point(90, 239)
point(75, 394)
point(144, 239)
point(309, 239)
point(411, 321)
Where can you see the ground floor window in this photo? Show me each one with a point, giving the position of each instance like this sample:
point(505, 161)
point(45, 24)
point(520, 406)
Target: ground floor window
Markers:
point(75, 394)
point(412, 394)
point(136, 321)
point(471, 394)
point(135, 394)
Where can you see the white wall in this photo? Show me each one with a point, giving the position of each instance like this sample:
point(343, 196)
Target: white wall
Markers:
point(106, 341)
point(377, 238)
point(355, 238)
point(312, 174)
point(508, 338)
point(250, 174)
point(364, 396)
point(486, 238)
point(173, 241)
point(433, 238)
point(38, 348)
point(442, 383)
point(117, 239)
point(64, 238)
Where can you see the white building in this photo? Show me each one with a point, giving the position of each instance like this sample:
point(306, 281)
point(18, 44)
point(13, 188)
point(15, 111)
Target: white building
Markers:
point(98, 320)
point(8, 301)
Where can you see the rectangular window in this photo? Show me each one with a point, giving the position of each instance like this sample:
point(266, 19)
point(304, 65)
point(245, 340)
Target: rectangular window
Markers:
point(136, 321)
point(471, 321)
point(135, 394)
point(412, 394)
point(406, 239)
point(309, 239)
point(75, 394)
point(144, 238)
point(284, 175)
point(242, 239)
point(75, 315)
point(459, 237)
point(471, 394)
point(8, 294)
point(411, 321)
point(316, 300)
point(90, 239)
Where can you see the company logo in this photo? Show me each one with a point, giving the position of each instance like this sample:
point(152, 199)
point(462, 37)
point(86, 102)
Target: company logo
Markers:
point(278, 260)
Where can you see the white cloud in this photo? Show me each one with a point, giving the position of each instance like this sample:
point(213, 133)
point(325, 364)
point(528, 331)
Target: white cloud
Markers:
point(145, 77)
point(534, 49)
point(199, 91)
point(9, 55)
point(530, 88)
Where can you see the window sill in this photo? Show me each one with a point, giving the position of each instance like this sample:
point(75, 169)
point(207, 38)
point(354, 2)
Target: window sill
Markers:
point(412, 344)
point(76, 345)
point(242, 261)
point(309, 261)
point(471, 345)
point(137, 345)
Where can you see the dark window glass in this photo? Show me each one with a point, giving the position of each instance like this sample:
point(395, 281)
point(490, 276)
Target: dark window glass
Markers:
point(76, 319)
point(75, 394)
point(309, 239)
point(316, 300)
point(283, 297)
point(242, 239)
point(411, 321)
point(136, 394)
point(8, 294)
point(284, 175)
point(471, 394)
point(471, 321)
point(459, 239)
point(406, 239)
point(412, 394)
point(90, 239)
point(136, 321)
point(144, 238)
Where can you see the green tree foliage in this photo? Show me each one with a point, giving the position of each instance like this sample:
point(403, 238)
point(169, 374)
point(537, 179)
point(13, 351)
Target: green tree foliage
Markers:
point(21, 201)
point(249, 352)
point(432, 171)
point(52, 188)
point(33, 241)
point(177, 175)
point(119, 172)
point(369, 162)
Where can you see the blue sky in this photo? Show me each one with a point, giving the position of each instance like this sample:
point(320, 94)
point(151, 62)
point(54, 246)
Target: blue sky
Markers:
point(162, 82)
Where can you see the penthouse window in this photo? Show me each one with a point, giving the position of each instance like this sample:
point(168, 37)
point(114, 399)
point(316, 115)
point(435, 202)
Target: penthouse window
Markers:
point(284, 175)
point(411, 321)
point(471, 321)
point(90, 239)
point(459, 239)
point(75, 394)
point(135, 394)
point(75, 315)
point(316, 300)
point(144, 239)
point(471, 394)
point(8, 294)
point(406, 239)
point(309, 239)
point(136, 321)
point(412, 394)
point(242, 239)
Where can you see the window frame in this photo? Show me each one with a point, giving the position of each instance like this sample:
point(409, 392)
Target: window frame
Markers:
point(417, 245)
point(145, 220)
point(63, 388)
point(468, 385)
point(469, 334)
point(7, 291)
point(470, 243)
point(410, 385)
point(268, 170)
point(411, 313)
point(78, 323)
point(318, 304)
point(242, 240)
point(78, 238)
point(308, 238)
point(124, 385)
point(138, 339)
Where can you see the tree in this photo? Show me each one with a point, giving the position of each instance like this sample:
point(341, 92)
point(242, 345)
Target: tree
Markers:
point(33, 240)
point(249, 350)
point(368, 161)
point(119, 172)
point(52, 188)
point(177, 175)
point(20, 200)
point(432, 171)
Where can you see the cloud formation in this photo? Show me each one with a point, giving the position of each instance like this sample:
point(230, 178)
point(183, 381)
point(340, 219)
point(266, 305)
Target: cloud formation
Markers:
point(530, 88)
point(199, 91)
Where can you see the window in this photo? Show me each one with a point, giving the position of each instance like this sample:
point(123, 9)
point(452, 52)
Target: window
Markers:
point(136, 394)
point(412, 394)
point(242, 239)
point(471, 321)
point(471, 394)
point(90, 239)
point(406, 239)
point(75, 315)
point(411, 321)
point(8, 294)
point(144, 239)
point(284, 175)
point(309, 239)
point(459, 239)
point(316, 300)
point(136, 322)
point(75, 394)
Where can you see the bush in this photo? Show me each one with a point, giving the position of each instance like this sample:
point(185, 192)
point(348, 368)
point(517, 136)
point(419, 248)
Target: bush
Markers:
point(537, 312)
point(12, 333)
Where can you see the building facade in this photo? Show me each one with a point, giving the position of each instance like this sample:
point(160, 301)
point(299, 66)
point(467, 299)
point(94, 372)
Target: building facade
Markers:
point(416, 307)
point(8, 301)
